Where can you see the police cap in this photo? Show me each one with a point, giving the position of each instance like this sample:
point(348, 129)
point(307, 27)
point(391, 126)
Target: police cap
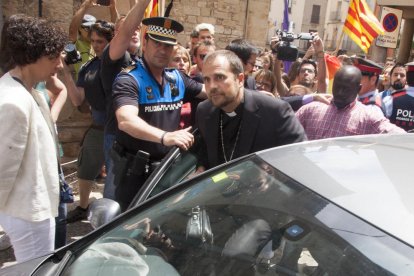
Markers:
point(367, 67)
point(410, 66)
point(163, 29)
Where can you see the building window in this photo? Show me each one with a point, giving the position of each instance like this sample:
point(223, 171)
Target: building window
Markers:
point(316, 10)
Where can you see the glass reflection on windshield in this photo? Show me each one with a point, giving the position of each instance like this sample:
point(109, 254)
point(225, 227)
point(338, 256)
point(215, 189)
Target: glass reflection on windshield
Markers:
point(244, 218)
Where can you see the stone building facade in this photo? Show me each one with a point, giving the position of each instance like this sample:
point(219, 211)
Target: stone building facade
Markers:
point(232, 19)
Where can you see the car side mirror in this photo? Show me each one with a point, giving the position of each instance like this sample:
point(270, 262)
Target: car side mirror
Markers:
point(102, 211)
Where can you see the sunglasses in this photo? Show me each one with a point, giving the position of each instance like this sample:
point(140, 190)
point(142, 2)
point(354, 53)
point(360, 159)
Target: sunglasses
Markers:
point(304, 70)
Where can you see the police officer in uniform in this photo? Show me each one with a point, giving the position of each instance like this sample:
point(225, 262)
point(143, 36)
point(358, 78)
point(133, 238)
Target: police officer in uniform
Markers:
point(399, 106)
point(370, 76)
point(147, 99)
point(398, 79)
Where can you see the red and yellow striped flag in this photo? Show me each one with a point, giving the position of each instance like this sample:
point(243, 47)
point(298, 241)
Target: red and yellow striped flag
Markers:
point(152, 9)
point(361, 24)
point(332, 65)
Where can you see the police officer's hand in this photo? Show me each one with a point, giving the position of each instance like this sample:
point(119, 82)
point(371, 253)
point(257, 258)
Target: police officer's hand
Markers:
point(181, 138)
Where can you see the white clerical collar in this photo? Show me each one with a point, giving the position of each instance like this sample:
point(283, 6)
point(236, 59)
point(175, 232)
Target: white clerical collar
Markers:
point(231, 114)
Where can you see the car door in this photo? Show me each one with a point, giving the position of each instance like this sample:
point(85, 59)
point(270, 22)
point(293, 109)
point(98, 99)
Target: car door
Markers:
point(174, 169)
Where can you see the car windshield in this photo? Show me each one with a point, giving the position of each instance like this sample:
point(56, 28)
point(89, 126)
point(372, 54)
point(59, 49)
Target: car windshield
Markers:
point(244, 218)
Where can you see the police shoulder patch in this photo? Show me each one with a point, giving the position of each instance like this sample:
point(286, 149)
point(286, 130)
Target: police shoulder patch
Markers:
point(129, 68)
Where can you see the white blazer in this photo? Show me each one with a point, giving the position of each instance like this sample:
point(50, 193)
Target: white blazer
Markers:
point(29, 184)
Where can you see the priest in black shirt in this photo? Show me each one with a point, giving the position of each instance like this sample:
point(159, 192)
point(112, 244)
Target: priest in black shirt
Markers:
point(236, 121)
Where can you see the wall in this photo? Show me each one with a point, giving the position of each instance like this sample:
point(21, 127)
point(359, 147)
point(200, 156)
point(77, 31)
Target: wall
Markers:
point(307, 14)
point(232, 19)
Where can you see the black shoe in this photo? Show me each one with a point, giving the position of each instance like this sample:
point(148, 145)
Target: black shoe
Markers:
point(77, 214)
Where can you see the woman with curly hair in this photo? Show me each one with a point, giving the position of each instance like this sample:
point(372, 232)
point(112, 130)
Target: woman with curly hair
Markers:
point(29, 184)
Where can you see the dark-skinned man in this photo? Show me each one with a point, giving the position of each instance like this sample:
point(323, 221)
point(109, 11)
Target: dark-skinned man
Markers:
point(345, 115)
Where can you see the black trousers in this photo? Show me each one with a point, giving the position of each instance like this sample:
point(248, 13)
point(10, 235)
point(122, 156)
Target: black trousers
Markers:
point(127, 183)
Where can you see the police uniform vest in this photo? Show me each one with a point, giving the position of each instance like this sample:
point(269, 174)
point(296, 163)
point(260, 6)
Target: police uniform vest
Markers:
point(158, 106)
point(402, 109)
point(371, 100)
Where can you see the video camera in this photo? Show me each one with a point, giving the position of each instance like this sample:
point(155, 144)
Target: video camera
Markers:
point(285, 50)
point(72, 55)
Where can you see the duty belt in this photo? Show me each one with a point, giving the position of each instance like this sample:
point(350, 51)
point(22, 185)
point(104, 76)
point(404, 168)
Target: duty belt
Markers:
point(123, 151)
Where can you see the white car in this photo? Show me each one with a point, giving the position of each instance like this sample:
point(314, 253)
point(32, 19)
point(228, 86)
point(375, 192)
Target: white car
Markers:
point(339, 206)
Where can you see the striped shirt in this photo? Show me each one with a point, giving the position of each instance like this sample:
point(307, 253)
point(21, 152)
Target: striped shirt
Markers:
point(323, 121)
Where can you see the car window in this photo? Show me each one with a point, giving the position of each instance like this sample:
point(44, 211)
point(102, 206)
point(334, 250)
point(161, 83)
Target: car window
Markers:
point(176, 167)
point(181, 167)
point(243, 218)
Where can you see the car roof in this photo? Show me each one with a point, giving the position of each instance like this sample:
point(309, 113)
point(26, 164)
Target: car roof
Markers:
point(370, 176)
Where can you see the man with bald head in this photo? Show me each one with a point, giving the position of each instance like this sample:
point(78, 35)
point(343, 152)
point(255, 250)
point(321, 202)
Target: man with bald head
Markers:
point(345, 115)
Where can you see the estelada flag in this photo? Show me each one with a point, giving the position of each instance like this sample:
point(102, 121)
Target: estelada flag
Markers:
point(361, 24)
point(152, 9)
point(332, 64)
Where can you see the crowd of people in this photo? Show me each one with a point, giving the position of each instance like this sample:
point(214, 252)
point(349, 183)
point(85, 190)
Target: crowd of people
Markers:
point(146, 93)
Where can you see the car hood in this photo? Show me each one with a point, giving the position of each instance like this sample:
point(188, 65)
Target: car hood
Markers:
point(25, 268)
point(370, 176)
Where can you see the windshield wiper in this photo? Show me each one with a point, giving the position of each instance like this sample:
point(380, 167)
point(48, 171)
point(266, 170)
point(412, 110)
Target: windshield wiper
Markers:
point(63, 262)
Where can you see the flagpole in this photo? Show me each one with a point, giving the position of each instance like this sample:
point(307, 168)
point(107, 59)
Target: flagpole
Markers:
point(339, 42)
point(161, 9)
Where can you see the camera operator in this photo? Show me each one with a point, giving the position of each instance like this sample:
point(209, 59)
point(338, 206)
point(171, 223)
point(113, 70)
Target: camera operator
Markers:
point(308, 70)
point(89, 87)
